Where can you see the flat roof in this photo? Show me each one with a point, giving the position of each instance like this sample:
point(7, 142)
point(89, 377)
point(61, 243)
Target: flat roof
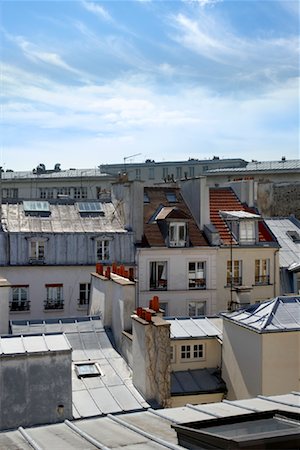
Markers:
point(194, 327)
point(40, 343)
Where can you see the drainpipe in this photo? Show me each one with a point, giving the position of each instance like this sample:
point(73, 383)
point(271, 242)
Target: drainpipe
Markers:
point(274, 291)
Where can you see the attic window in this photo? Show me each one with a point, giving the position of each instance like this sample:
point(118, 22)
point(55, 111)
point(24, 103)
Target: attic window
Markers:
point(294, 236)
point(36, 208)
point(177, 234)
point(89, 208)
point(171, 197)
point(146, 198)
point(87, 370)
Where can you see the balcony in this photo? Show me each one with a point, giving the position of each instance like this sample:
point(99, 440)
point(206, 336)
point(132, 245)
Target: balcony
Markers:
point(17, 306)
point(197, 283)
point(234, 281)
point(262, 280)
point(160, 285)
point(53, 305)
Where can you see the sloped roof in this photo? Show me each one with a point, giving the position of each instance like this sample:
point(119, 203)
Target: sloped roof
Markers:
point(198, 381)
point(62, 219)
point(141, 430)
point(17, 345)
point(113, 392)
point(194, 327)
point(289, 253)
point(158, 203)
point(278, 314)
point(224, 199)
point(261, 166)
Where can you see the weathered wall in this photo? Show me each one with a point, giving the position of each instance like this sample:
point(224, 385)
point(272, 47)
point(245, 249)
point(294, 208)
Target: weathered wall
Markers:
point(278, 199)
point(33, 387)
point(196, 194)
point(4, 305)
point(212, 355)
point(151, 359)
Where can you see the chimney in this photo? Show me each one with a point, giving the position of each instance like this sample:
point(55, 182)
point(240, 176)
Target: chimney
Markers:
point(151, 354)
point(4, 305)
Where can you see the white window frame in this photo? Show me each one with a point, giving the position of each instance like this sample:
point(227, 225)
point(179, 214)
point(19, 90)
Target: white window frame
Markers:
point(138, 173)
point(37, 250)
point(158, 279)
point(102, 250)
point(151, 173)
point(262, 271)
point(173, 354)
point(84, 294)
point(188, 352)
point(236, 271)
point(20, 304)
point(178, 172)
point(197, 276)
point(54, 297)
point(247, 232)
point(176, 237)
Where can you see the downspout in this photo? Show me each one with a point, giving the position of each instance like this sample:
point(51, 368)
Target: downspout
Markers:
point(274, 290)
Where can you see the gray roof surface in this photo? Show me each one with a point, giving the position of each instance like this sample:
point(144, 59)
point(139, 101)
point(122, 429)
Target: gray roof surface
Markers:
point(149, 429)
point(195, 327)
point(113, 391)
point(278, 314)
point(262, 166)
point(13, 345)
point(289, 252)
point(62, 219)
point(187, 382)
point(69, 173)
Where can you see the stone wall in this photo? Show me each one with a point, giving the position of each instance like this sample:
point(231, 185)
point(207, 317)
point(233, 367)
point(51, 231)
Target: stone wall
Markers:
point(278, 199)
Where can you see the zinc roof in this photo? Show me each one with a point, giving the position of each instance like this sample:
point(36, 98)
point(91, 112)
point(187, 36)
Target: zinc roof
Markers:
point(262, 166)
point(149, 429)
point(113, 391)
point(62, 219)
point(278, 314)
point(69, 173)
point(193, 327)
point(16, 345)
point(289, 252)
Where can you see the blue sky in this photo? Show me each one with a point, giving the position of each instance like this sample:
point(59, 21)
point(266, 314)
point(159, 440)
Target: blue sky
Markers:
point(91, 82)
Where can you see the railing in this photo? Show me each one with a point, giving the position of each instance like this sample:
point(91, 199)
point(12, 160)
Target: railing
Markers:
point(160, 285)
point(234, 281)
point(53, 304)
point(19, 306)
point(36, 260)
point(197, 283)
point(262, 279)
point(83, 302)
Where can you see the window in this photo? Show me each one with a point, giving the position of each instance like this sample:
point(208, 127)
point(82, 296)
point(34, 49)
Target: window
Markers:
point(10, 193)
point(137, 174)
point(234, 273)
point(165, 172)
point(158, 275)
point(19, 299)
point(171, 197)
point(262, 271)
point(178, 172)
point(197, 275)
point(151, 173)
point(195, 351)
point(247, 231)
point(63, 192)
point(177, 234)
point(191, 171)
point(46, 193)
point(102, 250)
point(54, 298)
point(87, 370)
point(84, 294)
point(172, 356)
point(36, 251)
point(197, 309)
point(80, 192)
point(146, 198)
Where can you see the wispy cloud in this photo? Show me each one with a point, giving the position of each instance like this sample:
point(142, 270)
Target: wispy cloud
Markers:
point(97, 9)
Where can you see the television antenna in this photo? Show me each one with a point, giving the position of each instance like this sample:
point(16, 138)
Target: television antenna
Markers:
point(128, 157)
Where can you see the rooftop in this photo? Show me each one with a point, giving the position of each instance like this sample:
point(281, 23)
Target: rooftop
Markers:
point(283, 229)
point(278, 314)
point(195, 327)
point(60, 218)
point(167, 203)
point(261, 166)
point(41, 343)
point(61, 174)
point(197, 381)
point(111, 390)
point(139, 430)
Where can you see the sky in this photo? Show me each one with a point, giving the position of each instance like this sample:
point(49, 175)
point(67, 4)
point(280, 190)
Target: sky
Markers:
point(85, 83)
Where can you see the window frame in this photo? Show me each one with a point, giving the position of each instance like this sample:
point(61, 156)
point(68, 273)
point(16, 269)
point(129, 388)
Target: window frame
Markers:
point(188, 351)
point(231, 278)
point(196, 304)
point(20, 305)
point(54, 297)
point(201, 283)
point(159, 282)
point(260, 266)
point(35, 247)
point(84, 294)
point(103, 246)
point(175, 240)
point(247, 232)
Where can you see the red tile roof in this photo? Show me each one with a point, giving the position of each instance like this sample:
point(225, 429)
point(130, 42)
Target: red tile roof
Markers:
point(157, 198)
point(224, 199)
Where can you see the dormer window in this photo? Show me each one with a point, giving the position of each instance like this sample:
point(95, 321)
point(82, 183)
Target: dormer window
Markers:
point(247, 232)
point(177, 234)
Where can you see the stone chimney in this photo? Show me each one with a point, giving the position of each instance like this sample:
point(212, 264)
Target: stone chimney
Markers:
point(151, 352)
point(4, 305)
point(196, 195)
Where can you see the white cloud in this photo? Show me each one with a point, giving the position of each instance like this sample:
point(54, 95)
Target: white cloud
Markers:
point(97, 9)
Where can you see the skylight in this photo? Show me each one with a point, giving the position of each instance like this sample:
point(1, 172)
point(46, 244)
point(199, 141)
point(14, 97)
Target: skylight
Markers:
point(171, 197)
point(87, 370)
point(89, 207)
point(31, 206)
